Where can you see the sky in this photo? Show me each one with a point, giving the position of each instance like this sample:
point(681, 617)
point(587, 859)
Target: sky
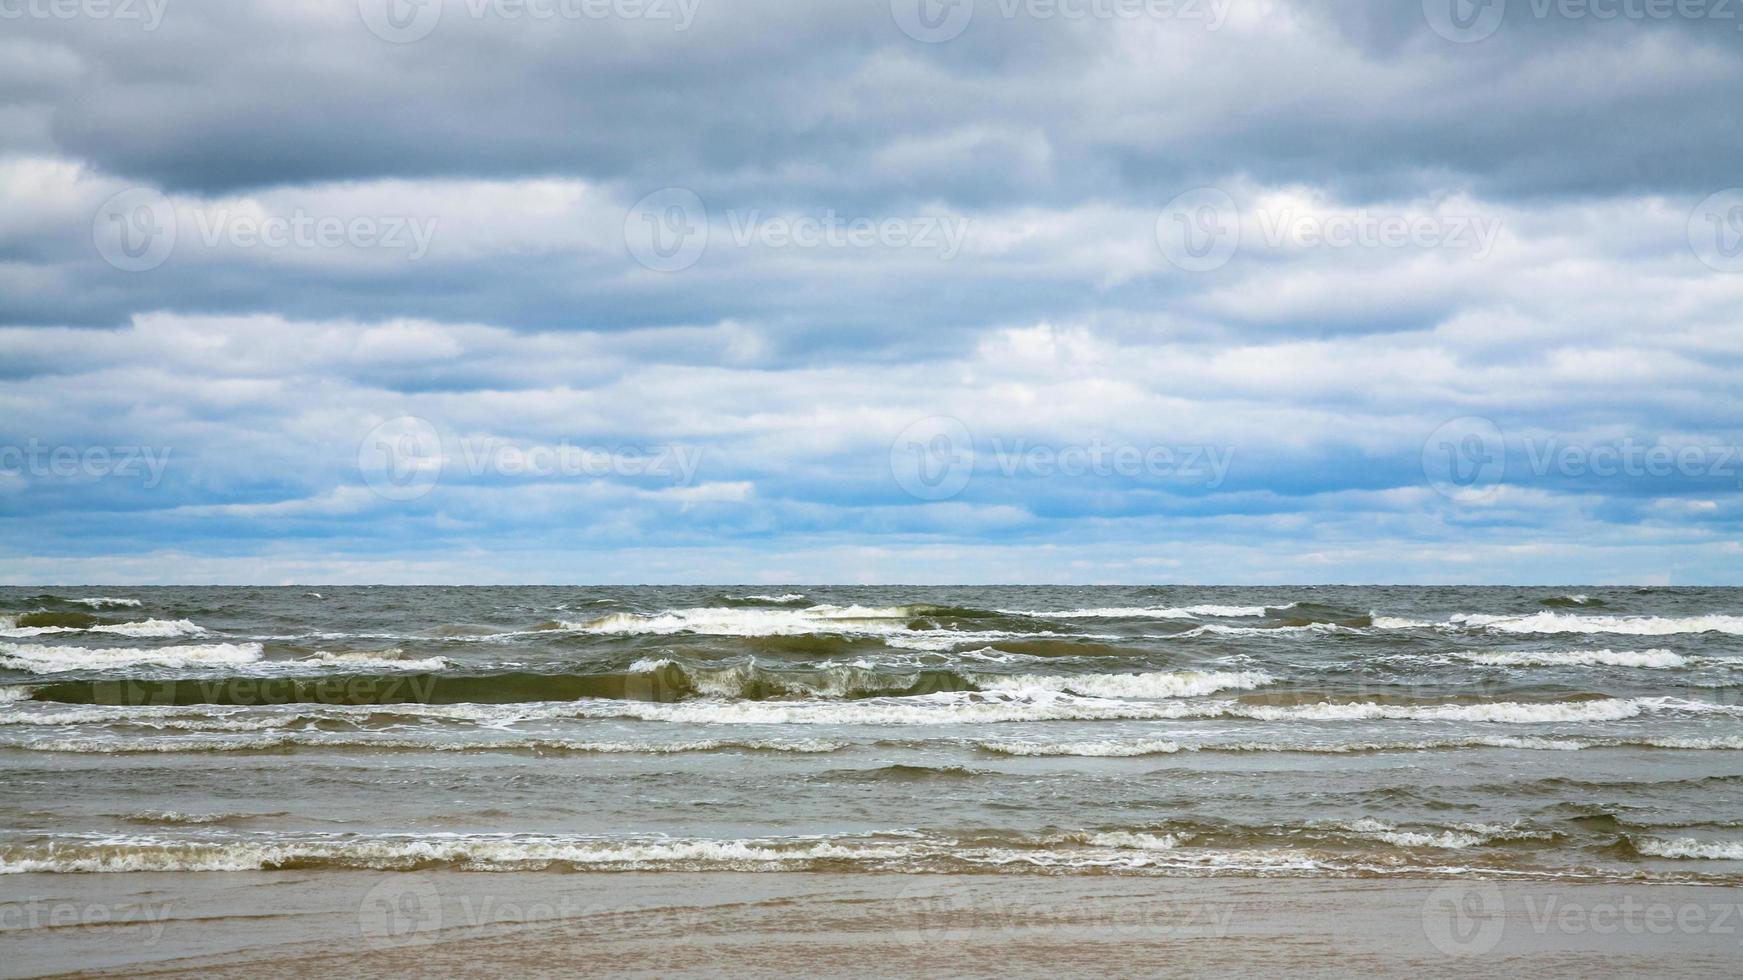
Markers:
point(871, 291)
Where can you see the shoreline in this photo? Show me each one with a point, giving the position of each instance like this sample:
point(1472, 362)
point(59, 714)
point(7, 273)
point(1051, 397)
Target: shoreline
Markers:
point(829, 924)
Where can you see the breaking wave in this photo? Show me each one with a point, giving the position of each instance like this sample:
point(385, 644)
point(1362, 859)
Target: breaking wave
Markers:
point(1684, 847)
point(57, 659)
point(1551, 622)
point(1656, 659)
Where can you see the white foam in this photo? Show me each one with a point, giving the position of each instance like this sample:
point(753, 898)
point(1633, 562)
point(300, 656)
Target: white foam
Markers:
point(1179, 684)
point(1132, 840)
point(1654, 659)
point(54, 659)
point(1151, 612)
point(1396, 623)
point(1102, 749)
point(1685, 847)
point(102, 602)
point(384, 660)
point(215, 737)
point(145, 629)
point(480, 852)
point(783, 597)
point(732, 621)
point(15, 693)
point(151, 628)
point(1446, 839)
point(948, 708)
point(1505, 712)
point(1549, 622)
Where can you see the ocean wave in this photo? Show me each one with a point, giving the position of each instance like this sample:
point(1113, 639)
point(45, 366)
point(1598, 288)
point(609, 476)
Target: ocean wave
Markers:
point(1397, 623)
point(1654, 659)
point(1504, 712)
point(1551, 622)
point(35, 624)
point(152, 628)
point(1085, 851)
point(1685, 847)
point(1110, 749)
point(57, 659)
point(1152, 612)
point(1577, 599)
point(209, 740)
point(180, 818)
point(382, 660)
point(735, 621)
point(1223, 629)
point(1127, 748)
point(1443, 839)
point(951, 708)
point(1167, 684)
point(105, 602)
point(397, 852)
point(1130, 840)
point(902, 627)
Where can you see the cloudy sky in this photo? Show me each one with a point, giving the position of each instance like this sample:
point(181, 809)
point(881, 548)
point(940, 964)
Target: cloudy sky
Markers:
point(1087, 291)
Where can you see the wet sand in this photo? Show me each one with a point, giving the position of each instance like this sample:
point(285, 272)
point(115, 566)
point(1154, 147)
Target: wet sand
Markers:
point(291, 923)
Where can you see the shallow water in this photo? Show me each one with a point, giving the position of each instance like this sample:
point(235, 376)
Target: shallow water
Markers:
point(1546, 733)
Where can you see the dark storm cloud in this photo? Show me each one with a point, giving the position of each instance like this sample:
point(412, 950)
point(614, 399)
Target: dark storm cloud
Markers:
point(773, 102)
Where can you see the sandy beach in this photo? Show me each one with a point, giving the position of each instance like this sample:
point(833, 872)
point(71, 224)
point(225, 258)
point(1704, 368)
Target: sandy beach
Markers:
point(289, 923)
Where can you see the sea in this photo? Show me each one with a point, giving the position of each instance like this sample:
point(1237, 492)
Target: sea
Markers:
point(1590, 733)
